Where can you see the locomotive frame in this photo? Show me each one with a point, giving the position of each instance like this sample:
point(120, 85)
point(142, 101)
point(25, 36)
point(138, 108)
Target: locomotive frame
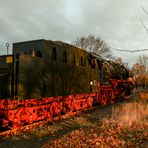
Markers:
point(46, 79)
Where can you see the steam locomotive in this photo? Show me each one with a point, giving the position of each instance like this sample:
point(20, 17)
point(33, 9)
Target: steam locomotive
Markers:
point(43, 79)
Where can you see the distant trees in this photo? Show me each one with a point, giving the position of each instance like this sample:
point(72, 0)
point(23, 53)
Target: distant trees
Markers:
point(91, 43)
point(140, 71)
point(143, 60)
point(141, 67)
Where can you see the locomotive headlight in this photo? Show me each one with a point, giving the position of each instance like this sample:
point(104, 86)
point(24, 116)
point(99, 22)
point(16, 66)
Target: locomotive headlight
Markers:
point(91, 82)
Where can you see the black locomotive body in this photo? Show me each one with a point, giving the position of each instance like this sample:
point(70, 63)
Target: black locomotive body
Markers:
point(44, 68)
point(43, 78)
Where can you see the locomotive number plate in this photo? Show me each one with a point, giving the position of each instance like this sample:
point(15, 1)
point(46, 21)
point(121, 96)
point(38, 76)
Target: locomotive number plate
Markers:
point(9, 59)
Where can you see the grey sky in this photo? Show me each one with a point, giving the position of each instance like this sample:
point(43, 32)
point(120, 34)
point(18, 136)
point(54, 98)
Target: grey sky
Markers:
point(115, 21)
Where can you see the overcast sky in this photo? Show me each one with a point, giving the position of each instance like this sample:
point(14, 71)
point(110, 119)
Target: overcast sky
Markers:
point(115, 21)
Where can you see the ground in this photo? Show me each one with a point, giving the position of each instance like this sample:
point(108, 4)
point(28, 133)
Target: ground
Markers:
point(123, 124)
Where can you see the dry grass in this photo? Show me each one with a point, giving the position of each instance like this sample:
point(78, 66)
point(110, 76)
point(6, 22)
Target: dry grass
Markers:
point(132, 112)
point(126, 127)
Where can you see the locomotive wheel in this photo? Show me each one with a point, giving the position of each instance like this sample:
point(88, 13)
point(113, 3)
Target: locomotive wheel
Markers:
point(54, 109)
point(49, 114)
point(90, 102)
point(49, 117)
point(71, 109)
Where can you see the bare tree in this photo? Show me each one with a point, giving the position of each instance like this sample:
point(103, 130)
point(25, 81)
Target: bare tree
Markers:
point(140, 71)
point(91, 43)
point(143, 60)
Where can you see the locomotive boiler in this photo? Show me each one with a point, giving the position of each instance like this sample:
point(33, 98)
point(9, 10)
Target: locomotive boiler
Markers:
point(43, 79)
